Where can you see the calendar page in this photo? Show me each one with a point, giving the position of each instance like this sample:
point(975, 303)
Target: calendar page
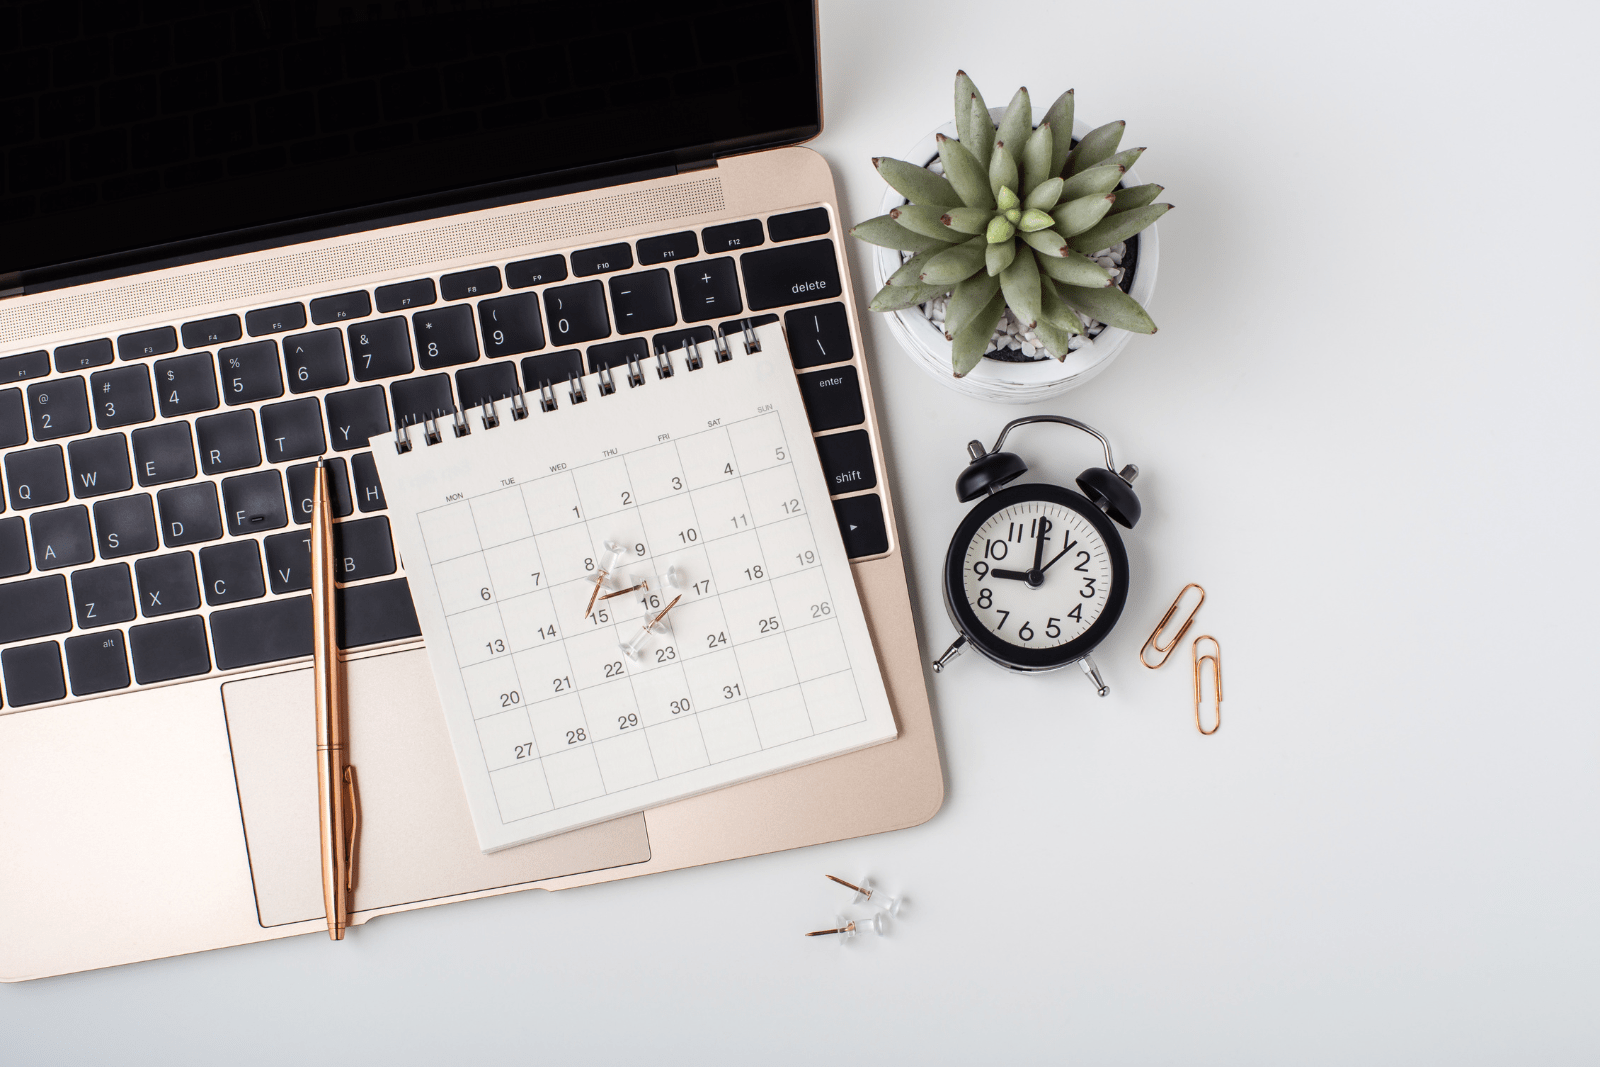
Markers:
point(569, 704)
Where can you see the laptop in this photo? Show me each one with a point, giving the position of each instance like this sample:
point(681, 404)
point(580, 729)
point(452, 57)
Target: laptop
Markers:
point(234, 238)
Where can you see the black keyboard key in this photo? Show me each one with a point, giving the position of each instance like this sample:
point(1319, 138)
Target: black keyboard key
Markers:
point(301, 477)
point(84, 354)
point(372, 614)
point(58, 408)
point(542, 271)
point(552, 369)
point(61, 538)
point(250, 372)
point(33, 674)
point(576, 313)
point(186, 384)
point(483, 281)
point(792, 274)
point(511, 325)
point(642, 301)
point(97, 663)
point(362, 549)
point(207, 332)
point(147, 343)
point(847, 461)
point(13, 421)
point(818, 335)
point(254, 502)
point(166, 584)
point(289, 561)
point(34, 607)
point(189, 514)
point(369, 491)
point(103, 596)
point(13, 547)
point(832, 398)
point(35, 478)
point(27, 365)
point(669, 247)
point(861, 525)
point(445, 337)
point(356, 415)
point(122, 397)
point(602, 260)
point(232, 572)
point(707, 290)
point(293, 430)
point(100, 465)
point(172, 648)
point(163, 454)
point(328, 309)
point(380, 349)
point(427, 397)
point(404, 296)
point(732, 236)
point(228, 441)
point(280, 319)
point(477, 386)
point(262, 633)
point(617, 354)
point(125, 526)
point(315, 360)
point(793, 225)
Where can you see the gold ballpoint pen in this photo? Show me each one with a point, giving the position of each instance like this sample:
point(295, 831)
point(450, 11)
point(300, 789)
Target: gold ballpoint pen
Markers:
point(338, 806)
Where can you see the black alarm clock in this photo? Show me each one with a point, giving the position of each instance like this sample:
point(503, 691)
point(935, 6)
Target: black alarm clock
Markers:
point(1036, 575)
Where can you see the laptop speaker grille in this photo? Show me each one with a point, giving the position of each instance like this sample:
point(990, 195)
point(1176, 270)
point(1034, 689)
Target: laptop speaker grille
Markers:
point(168, 298)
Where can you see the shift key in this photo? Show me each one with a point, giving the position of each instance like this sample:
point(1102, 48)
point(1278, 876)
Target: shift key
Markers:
point(791, 274)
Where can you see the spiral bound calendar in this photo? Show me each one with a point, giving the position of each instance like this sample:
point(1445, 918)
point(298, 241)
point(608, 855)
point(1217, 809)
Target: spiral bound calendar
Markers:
point(635, 597)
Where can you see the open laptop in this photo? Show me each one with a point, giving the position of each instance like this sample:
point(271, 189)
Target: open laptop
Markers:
point(241, 236)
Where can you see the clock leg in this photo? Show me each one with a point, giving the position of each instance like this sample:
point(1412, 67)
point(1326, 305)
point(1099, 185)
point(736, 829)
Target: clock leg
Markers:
point(1091, 672)
point(949, 654)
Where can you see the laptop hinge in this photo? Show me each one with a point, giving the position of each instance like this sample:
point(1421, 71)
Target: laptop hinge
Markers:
point(10, 284)
point(697, 164)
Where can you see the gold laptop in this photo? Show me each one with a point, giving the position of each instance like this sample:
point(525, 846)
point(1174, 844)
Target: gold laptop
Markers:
point(255, 244)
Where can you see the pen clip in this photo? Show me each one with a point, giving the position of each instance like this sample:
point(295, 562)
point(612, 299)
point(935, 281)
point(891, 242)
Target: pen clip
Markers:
point(353, 801)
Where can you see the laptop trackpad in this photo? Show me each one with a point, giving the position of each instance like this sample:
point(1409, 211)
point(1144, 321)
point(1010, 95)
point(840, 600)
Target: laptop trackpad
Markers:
point(417, 841)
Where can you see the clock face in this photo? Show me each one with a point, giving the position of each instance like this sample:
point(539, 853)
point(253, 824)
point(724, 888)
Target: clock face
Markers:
point(1036, 576)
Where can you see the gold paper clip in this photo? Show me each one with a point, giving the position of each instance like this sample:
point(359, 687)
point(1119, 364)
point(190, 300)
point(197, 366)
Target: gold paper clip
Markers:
point(1166, 650)
point(1216, 681)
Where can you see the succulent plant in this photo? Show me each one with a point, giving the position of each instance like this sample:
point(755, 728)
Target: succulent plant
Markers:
point(1012, 222)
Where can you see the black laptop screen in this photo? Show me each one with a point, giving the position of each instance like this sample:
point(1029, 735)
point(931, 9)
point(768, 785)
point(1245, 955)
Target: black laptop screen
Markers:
point(129, 128)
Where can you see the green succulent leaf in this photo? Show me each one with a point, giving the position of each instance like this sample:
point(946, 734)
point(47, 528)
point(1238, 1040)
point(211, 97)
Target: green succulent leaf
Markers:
point(1016, 122)
point(899, 297)
point(1056, 341)
point(917, 184)
point(1101, 179)
point(1060, 119)
point(973, 337)
point(1036, 158)
point(955, 263)
point(967, 299)
point(967, 219)
point(969, 178)
point(1054, 312)
point(1020, 284)
point(911, 273)
point(1048, 242)
point(1097, 145)
point(998, 257)
point(1001, 230)
point(1003, 171)
point(1135, 196)
point(1006, 198)
point(1045, 195)
point(1111, 306)
point(982, 145)
point(1125, 159)
point(1119, 227)
point(1075, 268)
point(887, 233)
point(926, 221)
point(1076, 216)
point(965, 91)
point(1034, 219)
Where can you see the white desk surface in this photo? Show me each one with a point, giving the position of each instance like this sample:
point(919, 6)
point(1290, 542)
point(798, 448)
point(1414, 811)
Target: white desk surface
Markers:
point(1366, 426)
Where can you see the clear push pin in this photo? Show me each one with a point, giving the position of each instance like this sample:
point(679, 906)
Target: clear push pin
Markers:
point(849, 928)
point(672, 585)
point(866, 894)
point(611, 555)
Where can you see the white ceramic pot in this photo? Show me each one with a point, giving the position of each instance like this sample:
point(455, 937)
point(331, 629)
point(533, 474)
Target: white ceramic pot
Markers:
point(993, 379)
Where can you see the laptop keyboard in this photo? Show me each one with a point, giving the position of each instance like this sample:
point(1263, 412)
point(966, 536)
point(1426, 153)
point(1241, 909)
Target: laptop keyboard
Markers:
point(159, 482)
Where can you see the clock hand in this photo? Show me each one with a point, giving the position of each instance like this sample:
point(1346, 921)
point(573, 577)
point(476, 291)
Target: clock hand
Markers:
point(1036, 575)
point(1070, 546)
point(1020, 576)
